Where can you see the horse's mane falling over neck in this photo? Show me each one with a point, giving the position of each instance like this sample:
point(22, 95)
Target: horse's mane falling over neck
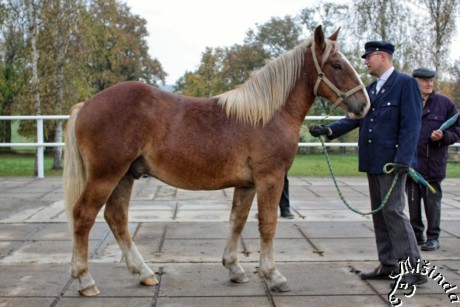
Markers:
point(266, 92)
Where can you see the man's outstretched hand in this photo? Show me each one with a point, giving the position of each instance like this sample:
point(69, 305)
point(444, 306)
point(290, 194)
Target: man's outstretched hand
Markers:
point(317, 130)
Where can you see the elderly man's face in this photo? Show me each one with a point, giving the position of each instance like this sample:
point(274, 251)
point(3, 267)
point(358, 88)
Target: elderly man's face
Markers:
point(426, 86)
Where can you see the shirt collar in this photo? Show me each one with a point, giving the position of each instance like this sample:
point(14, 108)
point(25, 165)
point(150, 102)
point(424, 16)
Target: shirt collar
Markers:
point(387, 74)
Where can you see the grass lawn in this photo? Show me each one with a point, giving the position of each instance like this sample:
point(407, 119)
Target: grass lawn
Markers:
point(343, 165)
point(22, 165)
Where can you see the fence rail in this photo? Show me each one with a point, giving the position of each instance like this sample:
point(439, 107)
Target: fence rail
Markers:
point(41, 145)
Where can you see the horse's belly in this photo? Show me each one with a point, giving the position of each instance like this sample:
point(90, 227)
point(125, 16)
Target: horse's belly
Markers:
point(199, 173)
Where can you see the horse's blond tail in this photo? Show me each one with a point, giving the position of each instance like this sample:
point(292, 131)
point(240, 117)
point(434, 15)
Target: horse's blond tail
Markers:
point(74, 174)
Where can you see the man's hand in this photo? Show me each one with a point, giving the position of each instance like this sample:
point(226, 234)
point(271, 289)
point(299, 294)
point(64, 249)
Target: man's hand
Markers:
point(400, 168)
point(437, 135)
point(317, 130)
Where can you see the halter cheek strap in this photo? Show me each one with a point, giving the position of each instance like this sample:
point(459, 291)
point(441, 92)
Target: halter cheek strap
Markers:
point(322, 78)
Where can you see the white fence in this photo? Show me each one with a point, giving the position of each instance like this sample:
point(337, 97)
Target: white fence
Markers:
point(41, 145)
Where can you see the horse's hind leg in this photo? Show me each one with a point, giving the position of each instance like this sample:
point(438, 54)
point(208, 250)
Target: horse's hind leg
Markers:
point(242, 199)
point(116, 215)
point(84, 213)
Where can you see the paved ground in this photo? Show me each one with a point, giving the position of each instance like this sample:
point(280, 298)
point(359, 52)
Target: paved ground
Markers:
point(181, 234)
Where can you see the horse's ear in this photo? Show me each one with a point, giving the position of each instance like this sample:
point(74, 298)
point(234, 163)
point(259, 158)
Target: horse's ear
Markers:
point(319, 37)
point(334, 36)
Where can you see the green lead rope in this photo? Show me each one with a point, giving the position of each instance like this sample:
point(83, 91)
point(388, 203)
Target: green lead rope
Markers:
point(387, 169)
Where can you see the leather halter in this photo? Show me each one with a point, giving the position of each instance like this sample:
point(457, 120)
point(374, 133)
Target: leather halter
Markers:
point(322, 78)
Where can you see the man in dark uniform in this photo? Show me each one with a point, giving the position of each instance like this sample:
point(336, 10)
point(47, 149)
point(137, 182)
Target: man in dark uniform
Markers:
point(388, 134)
point(431, 160)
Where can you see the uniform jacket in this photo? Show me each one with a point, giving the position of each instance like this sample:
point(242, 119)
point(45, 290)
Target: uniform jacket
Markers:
point(390, 130)
point(432, 156)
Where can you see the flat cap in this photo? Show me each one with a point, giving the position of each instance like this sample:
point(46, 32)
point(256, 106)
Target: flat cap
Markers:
point(373, 46)
point(423, 73)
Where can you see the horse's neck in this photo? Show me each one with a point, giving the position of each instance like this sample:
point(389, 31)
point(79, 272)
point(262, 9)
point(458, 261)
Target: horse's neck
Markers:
point(300, 100)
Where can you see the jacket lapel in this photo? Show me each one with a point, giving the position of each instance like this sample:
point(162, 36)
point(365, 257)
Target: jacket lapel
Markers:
point(387, 85)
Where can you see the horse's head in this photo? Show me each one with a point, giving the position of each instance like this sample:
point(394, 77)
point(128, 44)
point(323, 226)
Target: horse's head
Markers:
point(337, 81)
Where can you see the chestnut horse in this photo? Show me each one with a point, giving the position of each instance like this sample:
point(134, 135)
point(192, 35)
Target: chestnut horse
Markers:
point(245, 138)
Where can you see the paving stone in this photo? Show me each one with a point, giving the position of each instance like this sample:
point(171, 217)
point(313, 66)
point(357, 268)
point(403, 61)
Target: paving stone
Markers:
point(105, 301)
point(33, 280)
point(331, 300)
point(246, 301)
point(187, 230)
point(18, 231)
point(196, 250)
point(182, 234)
point(26, 302)
point(206, 280)
point(114, 280)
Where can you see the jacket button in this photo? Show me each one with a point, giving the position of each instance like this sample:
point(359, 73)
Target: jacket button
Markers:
point(370, 141)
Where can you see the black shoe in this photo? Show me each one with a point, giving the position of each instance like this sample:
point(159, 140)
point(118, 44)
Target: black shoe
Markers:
point(430, 245)
point(287, 215)
point(379, 273)
point(421, 242)
point(411, 280)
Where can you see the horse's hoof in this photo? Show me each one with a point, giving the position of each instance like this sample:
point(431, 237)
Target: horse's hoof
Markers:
point(90, 291)
point(149, 281)
point(282, 287)
point(239, 279)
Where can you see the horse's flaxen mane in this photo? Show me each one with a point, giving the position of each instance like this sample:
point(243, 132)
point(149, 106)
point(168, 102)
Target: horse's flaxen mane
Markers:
point(267, 90)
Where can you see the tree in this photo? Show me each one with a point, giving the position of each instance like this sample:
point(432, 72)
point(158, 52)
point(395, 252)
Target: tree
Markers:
point(239, 62)
point(206, 81)
point(330, 16)
point(441, 22)
point(61, 64)
point(393, 21)
point(120, 50)
point(58, 52)
point(276, 36)
point(222, 69)
point(12, 78)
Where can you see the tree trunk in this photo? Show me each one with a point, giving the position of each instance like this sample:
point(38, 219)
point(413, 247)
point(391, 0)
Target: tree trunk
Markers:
point(57, 164)
point(5, 134)
point(33, 34)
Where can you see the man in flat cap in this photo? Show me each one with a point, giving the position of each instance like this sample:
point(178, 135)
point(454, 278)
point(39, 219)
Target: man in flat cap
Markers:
point(431, 159)
point(387, 134)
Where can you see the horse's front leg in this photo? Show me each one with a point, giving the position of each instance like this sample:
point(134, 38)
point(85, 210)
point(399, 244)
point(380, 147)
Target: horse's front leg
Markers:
point(268, 197)
point(242, 200)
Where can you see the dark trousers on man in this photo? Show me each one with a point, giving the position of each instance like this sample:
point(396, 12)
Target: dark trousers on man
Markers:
point(432, 203)
point(284, 200)
point(393, 232)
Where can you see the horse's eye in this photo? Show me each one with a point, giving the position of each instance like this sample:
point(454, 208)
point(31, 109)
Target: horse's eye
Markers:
point(337, 66)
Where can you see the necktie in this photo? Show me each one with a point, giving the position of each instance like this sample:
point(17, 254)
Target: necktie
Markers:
point(379, 85)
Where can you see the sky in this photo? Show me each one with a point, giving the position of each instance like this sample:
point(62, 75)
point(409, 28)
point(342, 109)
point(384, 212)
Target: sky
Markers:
point(180, 30)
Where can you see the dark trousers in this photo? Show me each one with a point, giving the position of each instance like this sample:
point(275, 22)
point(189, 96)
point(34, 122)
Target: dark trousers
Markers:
point(393, 232)
point(432, 203)
point(284, 200)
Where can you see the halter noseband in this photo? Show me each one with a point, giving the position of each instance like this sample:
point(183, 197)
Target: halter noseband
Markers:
point(322, 77)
